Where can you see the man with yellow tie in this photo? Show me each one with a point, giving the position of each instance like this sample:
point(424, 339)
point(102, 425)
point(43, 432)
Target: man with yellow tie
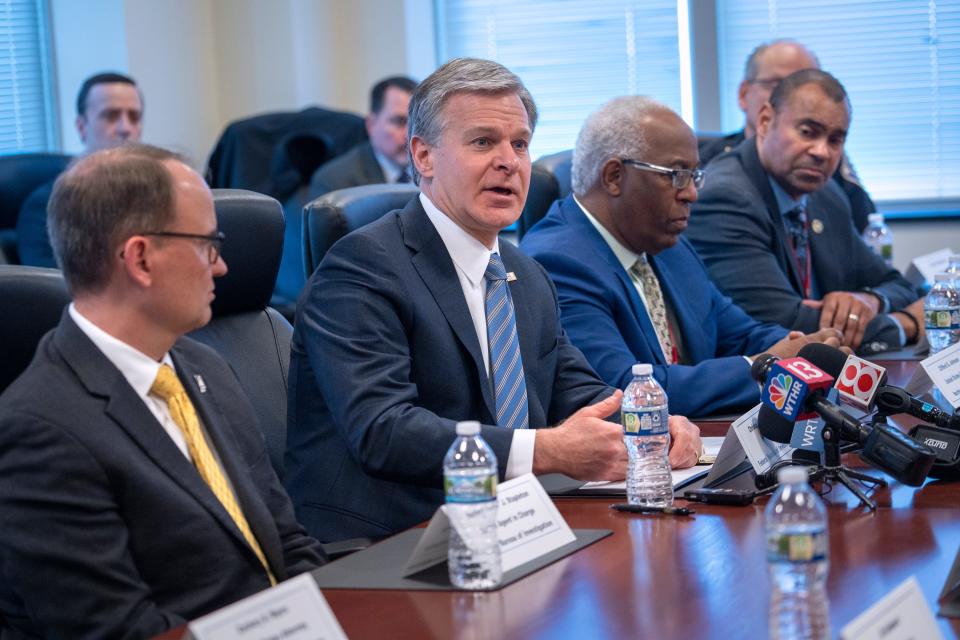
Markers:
point(135, 490)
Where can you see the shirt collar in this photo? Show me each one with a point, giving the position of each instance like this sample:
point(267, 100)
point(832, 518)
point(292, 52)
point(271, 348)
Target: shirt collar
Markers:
point(139, 369)
point(469, 254)
point(391, 170)
point(626, 257)
point(784, 201)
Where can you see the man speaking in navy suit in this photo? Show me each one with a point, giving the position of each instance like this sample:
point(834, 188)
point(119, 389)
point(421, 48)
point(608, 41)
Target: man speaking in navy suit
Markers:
point(135, 489)
point(423, 318)
point(630, 287)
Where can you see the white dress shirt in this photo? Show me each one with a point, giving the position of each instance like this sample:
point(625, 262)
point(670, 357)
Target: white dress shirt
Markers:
point(470, 257)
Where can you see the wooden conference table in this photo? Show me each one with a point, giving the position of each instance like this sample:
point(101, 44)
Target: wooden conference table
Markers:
point(703, 576)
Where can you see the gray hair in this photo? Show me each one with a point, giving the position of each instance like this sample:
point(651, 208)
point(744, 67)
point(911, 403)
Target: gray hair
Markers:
point(460, 75)
point(615, 130)
point(100, 201)
point(752, 67)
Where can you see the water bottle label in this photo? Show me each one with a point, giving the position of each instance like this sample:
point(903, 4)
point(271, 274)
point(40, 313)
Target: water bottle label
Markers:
point(651, 422)
point(943, 319)
point(797, 547)
point(481, 487)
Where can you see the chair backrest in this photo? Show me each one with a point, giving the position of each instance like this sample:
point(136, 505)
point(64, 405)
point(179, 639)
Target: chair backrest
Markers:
point(275, 153)
point(20, 174)
point(33, 299)
point(335, 214)
point(559, 164)
point(253, 338)
point(544, 190)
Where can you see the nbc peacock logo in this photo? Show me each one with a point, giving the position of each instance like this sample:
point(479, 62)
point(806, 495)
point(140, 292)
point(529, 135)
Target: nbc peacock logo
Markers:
point(779, 387)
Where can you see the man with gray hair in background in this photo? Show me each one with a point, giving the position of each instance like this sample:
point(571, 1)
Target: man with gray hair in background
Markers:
point(423, 319)
point(631, 289)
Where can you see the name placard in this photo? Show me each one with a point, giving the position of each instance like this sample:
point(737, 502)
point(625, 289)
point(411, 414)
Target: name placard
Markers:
point(528, 526)
point(941, 370)
point(762, 453)
point(292, 610)
point(923, 268)
point(902, 614)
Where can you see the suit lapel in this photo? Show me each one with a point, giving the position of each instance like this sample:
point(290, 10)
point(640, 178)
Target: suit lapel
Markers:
point(216, 422)
point(433, 263)
point(571, 212)
point(758, 175)
point(373, 172)
point(101, 378)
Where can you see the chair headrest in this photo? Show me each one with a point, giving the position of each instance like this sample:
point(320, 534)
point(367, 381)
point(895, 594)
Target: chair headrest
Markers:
point(543, 191)
point(20, 174)
point(253, 224)
point(559, 164)
point(34, 299)
point(335, 214)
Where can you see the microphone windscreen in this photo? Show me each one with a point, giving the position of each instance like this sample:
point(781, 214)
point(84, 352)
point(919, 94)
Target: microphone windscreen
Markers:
point(828, 359)
point(774, 426)
point(761, 366)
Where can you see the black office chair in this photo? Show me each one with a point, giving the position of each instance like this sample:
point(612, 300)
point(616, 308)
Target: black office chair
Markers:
point(253, 338)
point(549, 181)
point(33, 299)
point(335, 214)
point(20, 174)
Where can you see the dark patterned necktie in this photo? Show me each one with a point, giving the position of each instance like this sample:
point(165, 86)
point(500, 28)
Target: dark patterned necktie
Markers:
point(506, 365)
point(795, 221)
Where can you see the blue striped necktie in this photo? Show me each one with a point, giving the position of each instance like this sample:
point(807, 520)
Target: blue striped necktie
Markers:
point(506, 365)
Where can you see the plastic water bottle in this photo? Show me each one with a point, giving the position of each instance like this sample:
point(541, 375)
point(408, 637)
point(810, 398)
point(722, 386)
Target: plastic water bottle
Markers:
point(878, 237)
point(470, 482)
point(646, 435)
point(941, 312)
point(797, 559)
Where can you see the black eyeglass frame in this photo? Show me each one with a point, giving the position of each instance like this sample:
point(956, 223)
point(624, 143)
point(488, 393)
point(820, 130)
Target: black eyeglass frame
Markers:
point(214, 241)
point(680, 178)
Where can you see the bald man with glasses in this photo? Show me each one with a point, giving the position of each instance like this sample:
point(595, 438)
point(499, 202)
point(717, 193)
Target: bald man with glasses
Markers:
point(631, 289)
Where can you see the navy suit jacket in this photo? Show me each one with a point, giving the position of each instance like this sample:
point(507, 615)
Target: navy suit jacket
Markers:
point(605, 317)
point(385, 361)
point(108, 530)
point(737, 228)
point(355, 168)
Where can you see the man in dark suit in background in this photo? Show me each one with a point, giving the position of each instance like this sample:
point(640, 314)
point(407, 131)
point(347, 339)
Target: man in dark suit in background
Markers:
point(776, 232)
point(766, 66)
point(136, 492)
point(423, 319)
point(109, 113)
point(631, 289)
point(382, 158)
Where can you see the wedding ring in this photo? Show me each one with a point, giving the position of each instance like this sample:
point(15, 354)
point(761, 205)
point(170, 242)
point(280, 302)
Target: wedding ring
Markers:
point(853, 317)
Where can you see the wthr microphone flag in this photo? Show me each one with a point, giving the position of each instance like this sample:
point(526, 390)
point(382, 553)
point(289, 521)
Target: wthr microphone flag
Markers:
point(858, 382)
point(789, 383)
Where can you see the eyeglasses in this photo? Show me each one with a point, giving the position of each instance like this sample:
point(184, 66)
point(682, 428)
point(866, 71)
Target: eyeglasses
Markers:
point(681, 177)
point(767, 83)
point(214, 241)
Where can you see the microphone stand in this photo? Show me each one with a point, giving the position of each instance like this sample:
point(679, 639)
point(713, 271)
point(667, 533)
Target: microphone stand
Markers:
point(833, 471)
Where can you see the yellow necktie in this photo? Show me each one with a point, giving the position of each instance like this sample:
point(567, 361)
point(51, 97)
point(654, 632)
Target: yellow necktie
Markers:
point(167, 386)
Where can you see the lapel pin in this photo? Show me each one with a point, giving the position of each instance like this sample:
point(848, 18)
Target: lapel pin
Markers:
point(200, 383)
point(511, 276)
point(817, 225)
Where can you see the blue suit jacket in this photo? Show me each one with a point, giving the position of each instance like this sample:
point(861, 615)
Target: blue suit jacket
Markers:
point(737, 228)
point(108, 530)
point(385, 361)
point(605, 317)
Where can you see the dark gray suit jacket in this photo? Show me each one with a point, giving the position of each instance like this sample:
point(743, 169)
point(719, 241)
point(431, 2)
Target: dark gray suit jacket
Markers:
point(107, 529)
point(385, 360)
point(737, 228)
point(355, 168)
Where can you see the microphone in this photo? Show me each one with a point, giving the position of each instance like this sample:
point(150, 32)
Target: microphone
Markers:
point(863, 384)
point(885, 447)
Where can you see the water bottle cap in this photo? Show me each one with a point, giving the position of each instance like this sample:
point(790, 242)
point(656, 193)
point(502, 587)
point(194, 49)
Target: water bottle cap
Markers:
point(792, 475)
point(468, 428)
point(642, 369)
point(875, 218)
